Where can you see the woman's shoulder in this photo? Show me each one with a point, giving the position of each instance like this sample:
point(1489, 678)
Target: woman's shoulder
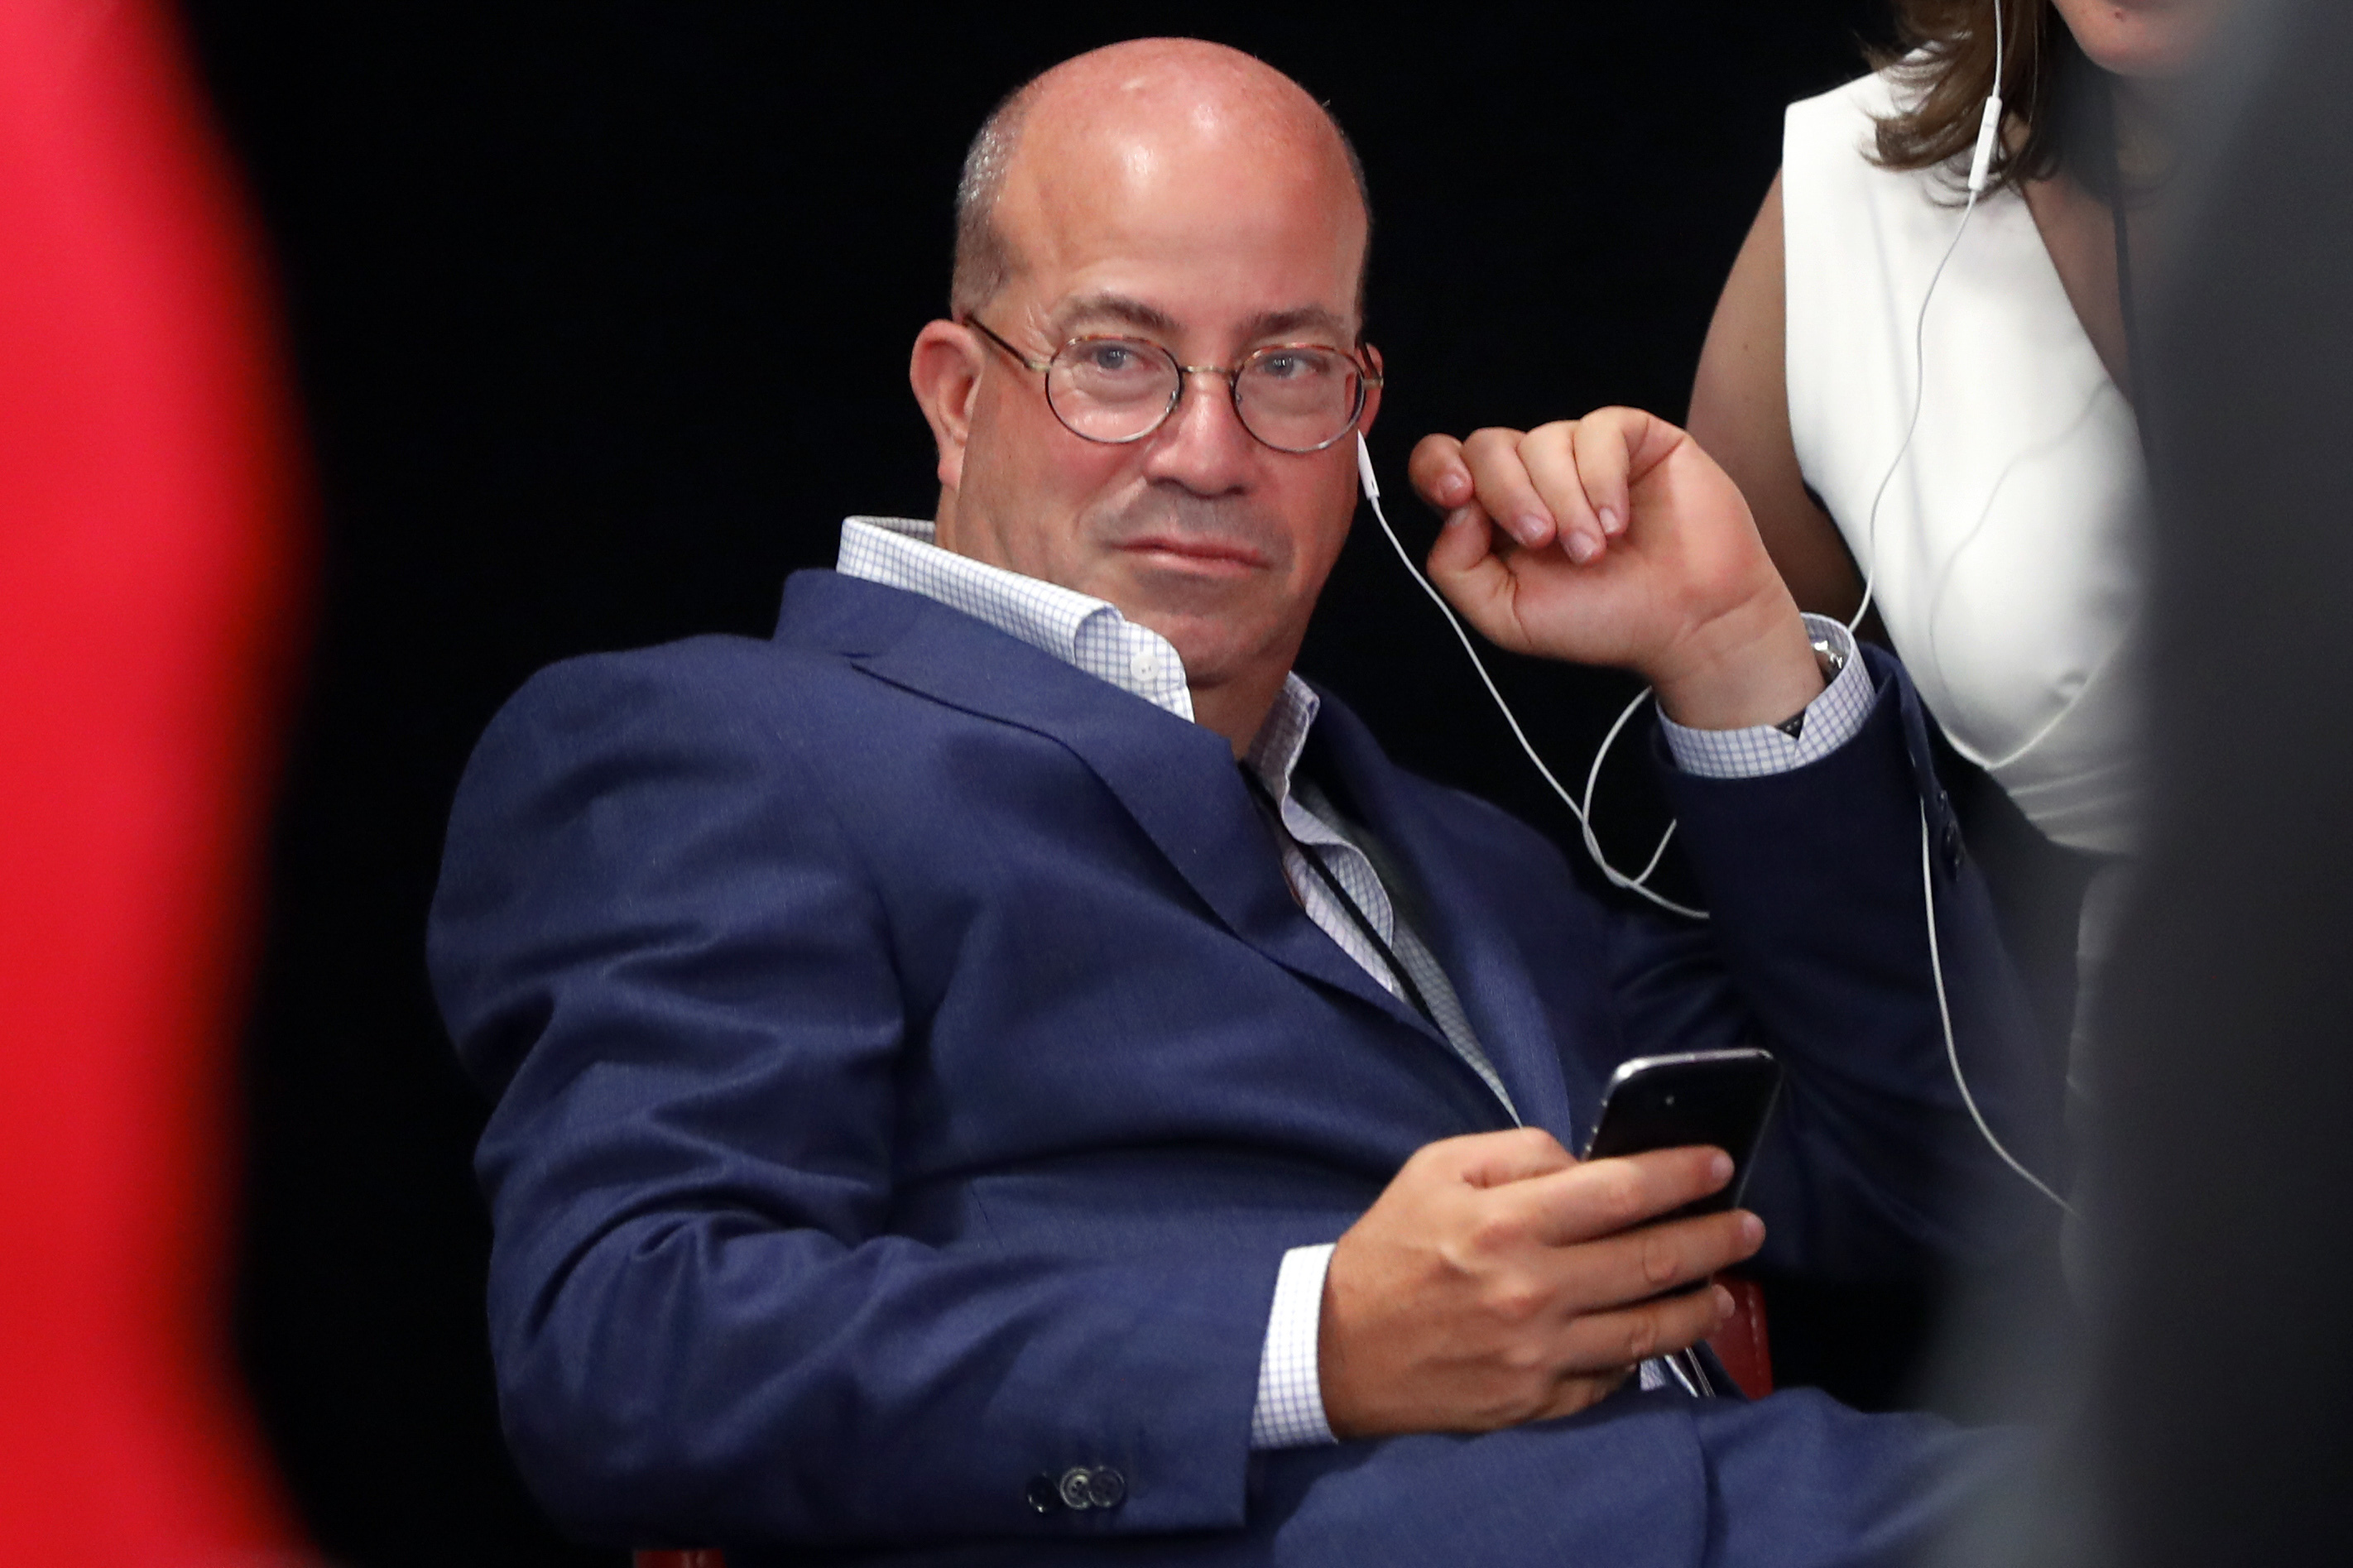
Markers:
point(1874, 95)
point(1836, 133)
point(1830, 169)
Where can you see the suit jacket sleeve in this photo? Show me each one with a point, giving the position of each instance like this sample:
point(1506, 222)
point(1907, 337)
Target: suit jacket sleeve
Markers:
point(653, 941)
point(1818, 949)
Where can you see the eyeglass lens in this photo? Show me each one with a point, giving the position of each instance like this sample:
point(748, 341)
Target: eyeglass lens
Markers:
point(1298, 398)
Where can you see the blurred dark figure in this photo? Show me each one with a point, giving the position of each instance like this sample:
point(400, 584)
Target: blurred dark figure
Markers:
point(2219, 1241)
point(2222, 1394)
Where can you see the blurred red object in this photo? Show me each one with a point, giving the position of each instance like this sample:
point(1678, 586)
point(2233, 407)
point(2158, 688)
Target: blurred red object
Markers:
point(147, 565)
point(1742, 1344)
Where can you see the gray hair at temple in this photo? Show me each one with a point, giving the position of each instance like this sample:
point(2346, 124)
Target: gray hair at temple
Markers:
point(984, 262)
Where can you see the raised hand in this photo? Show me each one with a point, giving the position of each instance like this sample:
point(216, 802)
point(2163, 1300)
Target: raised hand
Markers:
point(1614, 540)
point(1499, 1280)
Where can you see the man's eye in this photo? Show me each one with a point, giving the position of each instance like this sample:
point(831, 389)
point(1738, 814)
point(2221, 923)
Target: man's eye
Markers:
point(1114, 358)
point(1293, 365)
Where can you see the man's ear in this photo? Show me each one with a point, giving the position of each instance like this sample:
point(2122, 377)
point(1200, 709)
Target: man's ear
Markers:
point(944, 371)
point(1372, 391)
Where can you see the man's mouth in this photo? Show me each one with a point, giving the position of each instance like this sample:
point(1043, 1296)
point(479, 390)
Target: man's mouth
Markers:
point(1184, 553)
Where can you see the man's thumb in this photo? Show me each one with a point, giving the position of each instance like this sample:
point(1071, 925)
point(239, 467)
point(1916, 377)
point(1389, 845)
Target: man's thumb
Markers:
point(1496, 1159)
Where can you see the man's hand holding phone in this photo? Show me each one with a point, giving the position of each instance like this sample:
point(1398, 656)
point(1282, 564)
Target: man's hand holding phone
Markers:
point(1499, 1280)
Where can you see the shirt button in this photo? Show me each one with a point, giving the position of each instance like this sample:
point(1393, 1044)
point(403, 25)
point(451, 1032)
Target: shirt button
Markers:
point(1144, 665)
point(1078, 1489)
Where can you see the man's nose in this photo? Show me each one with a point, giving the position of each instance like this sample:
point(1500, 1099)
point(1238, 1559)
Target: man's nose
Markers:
point(1203, 445)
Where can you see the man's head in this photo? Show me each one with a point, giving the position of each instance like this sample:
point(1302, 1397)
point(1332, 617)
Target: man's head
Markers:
point(1187, 195)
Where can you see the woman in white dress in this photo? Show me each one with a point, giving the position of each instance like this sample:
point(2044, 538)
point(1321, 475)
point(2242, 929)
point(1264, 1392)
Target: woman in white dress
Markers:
point(2003, 555)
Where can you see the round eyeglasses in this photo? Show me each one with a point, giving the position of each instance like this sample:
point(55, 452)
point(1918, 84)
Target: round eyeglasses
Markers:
point(1293, 398)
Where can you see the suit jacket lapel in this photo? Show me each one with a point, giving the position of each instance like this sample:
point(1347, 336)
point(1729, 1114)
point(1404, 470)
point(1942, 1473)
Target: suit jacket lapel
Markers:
point(1177, 780)
point(1483, 955)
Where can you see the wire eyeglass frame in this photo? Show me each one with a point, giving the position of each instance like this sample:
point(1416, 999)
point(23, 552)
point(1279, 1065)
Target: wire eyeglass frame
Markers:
point(1367, 376)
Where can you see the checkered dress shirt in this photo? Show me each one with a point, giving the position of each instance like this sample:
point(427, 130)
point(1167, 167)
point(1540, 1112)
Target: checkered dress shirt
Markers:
point(1093, 636)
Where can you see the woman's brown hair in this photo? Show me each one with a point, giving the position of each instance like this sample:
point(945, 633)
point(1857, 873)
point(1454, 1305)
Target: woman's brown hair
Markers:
point(1943, 66)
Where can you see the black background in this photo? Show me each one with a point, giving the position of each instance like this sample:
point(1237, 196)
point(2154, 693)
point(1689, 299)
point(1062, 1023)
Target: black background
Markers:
point(600, 315)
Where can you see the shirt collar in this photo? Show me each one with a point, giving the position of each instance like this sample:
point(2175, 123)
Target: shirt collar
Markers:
point(1082, 631)
point(1273, 753)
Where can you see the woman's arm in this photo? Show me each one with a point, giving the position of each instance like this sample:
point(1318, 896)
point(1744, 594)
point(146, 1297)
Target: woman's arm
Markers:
point(1740, 417)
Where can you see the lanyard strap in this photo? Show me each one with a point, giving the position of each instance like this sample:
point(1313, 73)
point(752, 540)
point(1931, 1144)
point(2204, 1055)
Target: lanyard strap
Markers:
point(1313, 857)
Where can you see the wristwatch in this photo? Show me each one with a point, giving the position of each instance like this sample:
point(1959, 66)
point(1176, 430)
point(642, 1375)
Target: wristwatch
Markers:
point(1830, 658)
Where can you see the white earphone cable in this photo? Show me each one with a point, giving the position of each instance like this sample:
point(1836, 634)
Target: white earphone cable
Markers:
point(1981, 170)
point(1582, 812)
point(1944, 1016)
point(1912, 428)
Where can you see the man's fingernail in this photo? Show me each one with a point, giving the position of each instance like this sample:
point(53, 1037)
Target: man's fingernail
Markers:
point(1719, 1166)
point(1454, 489)
point(1582, 548)
point(1609, 520)
point(1528, 528)
point(1752, 1229)
point(1723, 1303)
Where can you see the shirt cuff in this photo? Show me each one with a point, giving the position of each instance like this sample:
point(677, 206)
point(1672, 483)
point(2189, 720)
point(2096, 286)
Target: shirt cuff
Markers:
point(1830, 722)
point(1290, 1410)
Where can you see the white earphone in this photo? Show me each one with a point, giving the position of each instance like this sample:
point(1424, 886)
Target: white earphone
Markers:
point(1980, 169)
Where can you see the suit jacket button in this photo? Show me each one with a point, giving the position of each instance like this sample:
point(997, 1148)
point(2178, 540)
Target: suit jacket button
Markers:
point(1107, 1488)
point(1043, 1494)
point(1078, 1489)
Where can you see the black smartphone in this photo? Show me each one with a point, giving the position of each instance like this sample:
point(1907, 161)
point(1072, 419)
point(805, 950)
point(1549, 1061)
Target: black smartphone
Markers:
point(1722, 1098)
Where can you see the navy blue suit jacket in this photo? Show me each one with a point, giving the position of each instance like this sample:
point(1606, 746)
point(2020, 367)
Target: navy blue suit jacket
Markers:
point(911, 1068)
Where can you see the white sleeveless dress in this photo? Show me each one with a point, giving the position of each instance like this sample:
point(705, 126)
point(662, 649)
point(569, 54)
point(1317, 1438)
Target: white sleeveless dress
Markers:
point(2007, 555)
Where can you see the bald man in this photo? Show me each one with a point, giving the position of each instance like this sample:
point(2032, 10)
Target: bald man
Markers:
point(1008, 1072)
